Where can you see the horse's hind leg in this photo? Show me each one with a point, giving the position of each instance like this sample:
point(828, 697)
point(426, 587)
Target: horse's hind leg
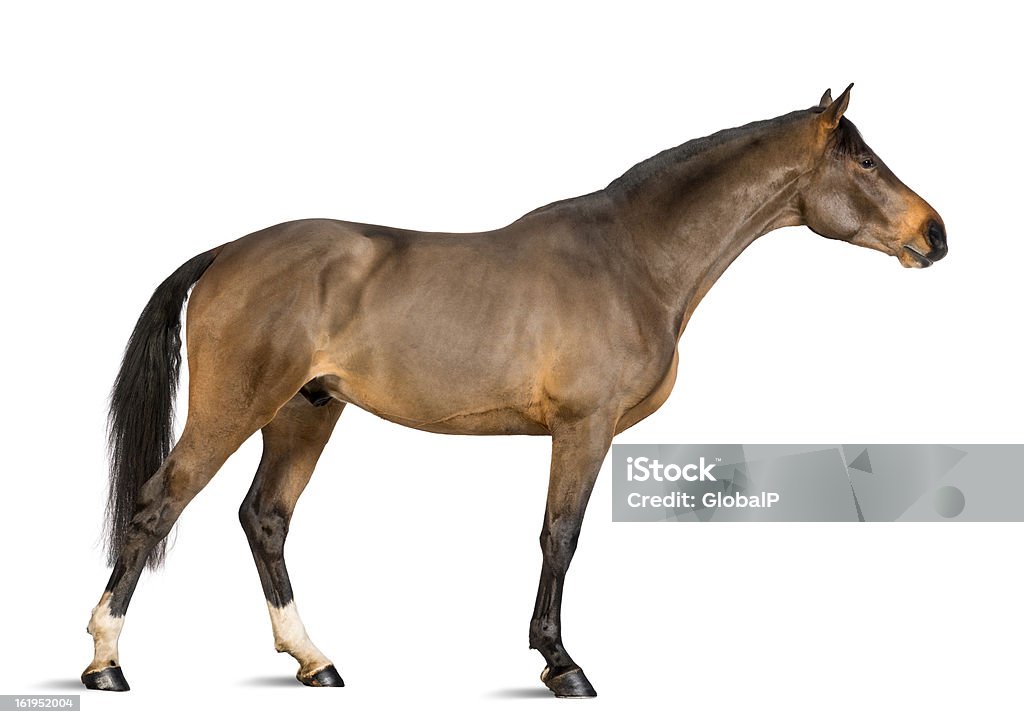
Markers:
point(197, 456)
point(292, 444)
point(223, 412)
point(577, 450)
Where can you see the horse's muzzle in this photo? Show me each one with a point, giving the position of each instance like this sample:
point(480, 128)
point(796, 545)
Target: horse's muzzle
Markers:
point(936, 235)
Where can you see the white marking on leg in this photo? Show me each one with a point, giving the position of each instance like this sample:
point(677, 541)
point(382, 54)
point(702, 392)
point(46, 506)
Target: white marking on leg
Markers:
point(105, 629)
point(290, 636)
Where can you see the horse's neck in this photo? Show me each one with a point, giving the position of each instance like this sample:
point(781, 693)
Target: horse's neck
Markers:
point(691, 218)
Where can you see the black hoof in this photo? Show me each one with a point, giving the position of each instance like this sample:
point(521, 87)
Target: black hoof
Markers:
point(327, 676)
point(108, 679)
point(570, 683)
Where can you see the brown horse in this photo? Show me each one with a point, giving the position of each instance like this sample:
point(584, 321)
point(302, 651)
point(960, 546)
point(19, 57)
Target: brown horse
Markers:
point(563, 323)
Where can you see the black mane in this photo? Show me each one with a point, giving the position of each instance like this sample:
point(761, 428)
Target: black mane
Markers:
point(847, 142)
point(671, 157)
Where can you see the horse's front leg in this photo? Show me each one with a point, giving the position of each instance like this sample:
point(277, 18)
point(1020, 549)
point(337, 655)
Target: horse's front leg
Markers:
point(578, 448)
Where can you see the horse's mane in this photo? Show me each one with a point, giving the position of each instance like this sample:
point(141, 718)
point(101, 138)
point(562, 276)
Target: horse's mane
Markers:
point(848, 142)
point(671, 157)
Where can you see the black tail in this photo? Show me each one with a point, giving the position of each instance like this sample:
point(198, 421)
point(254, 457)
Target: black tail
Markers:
point(140, 425)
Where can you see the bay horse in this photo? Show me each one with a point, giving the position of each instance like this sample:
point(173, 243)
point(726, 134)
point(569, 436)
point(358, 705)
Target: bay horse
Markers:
point(565, 323)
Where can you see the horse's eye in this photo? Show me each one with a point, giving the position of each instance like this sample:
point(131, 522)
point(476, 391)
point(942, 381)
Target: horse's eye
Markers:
point(867, 163)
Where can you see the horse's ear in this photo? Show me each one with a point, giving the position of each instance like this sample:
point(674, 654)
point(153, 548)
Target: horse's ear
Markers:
point(835, 110)
point(826, 98)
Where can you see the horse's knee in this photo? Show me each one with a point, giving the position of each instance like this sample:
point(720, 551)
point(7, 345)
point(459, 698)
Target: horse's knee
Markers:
point(558, 541)
point(155, 514)
point(161, 500)
point(265, 530)
point(151, 522)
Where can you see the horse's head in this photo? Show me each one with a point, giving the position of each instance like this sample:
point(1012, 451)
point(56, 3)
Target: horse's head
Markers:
point(853, 196)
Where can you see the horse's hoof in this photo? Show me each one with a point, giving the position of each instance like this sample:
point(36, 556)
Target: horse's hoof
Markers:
point(568, 683)
point(108, 679)
point(327, 676)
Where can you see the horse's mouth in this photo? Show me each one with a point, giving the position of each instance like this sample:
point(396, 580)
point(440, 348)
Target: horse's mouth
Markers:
point(923, 262)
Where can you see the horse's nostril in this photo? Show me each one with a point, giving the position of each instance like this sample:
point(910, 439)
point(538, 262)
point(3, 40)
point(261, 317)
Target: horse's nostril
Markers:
point(937, 240)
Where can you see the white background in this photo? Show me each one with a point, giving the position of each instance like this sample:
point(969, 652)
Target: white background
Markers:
point(133, 138)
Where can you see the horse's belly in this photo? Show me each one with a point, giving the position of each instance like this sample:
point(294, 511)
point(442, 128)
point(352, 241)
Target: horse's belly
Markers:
point(438, 406)
point(485, 422)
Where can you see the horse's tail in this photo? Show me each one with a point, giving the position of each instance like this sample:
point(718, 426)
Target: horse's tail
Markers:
point(140, 423)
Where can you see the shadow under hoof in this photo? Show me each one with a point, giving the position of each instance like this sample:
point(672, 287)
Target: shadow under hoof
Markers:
point(327, 676)
point(570, 683)
point(521, 694)
point(284, 682)
point(108, 679)
point(60, 684)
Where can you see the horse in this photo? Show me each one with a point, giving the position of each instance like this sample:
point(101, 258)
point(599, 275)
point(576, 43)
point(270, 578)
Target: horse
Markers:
point(565, 323)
